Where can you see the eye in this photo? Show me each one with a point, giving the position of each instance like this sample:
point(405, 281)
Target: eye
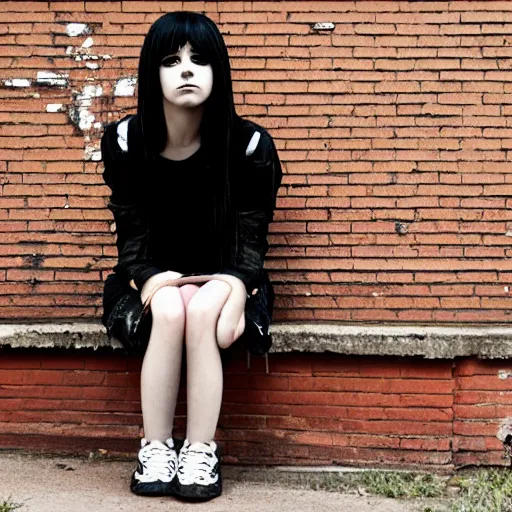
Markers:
point(199, 59)
point(169, 60)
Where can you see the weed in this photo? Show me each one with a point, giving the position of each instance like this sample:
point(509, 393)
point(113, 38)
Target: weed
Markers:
point(403, 484)
point(8, 506)
point(488, 490)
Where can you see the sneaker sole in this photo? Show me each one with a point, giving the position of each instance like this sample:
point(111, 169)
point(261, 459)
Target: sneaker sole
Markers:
point(157, 488)
point(196, 492)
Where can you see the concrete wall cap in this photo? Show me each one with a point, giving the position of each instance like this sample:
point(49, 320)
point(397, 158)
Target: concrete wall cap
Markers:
point(431, 342)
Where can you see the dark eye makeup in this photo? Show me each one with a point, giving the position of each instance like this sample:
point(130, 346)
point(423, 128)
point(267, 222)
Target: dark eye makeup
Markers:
point(169, 60)
point(196, 58)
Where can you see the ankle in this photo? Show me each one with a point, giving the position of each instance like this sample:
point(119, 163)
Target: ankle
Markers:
point(193, 441)
point(162, 438)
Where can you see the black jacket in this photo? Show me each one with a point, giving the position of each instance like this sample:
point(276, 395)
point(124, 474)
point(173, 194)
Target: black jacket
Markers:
point(255, 180)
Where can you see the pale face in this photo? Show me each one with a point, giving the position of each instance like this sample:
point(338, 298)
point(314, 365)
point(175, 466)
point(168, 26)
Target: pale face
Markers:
point(186, 79)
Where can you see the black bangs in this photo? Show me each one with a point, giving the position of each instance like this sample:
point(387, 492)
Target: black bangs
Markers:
point(188, 29)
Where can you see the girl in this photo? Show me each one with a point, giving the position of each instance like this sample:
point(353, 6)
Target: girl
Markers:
point(194, 188)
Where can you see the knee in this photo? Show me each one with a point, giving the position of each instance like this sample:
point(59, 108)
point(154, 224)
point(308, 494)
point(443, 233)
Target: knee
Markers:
point(201, 319)
point(200, 314)
point(167, 307)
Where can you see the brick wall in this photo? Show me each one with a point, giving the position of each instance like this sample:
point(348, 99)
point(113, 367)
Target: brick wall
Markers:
point(392, 129)
point(311, 409)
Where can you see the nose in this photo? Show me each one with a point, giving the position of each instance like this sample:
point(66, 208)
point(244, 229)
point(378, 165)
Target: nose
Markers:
point(186, 73)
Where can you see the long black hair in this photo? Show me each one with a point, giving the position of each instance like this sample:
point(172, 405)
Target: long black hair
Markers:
point(167, 34)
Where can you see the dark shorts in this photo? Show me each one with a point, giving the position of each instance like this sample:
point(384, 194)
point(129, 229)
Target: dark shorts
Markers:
point(114, 290)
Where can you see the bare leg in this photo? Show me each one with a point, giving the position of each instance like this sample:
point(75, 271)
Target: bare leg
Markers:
point(204, 366)
point(160, 374)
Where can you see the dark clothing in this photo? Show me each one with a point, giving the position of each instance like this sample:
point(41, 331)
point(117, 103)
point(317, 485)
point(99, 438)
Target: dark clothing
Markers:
point(164, 212)
point(181, 216)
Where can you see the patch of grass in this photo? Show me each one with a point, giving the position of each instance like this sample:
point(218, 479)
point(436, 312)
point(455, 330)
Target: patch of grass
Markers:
point(8, 506)
point(403, 484)
point(487, 490)
point(481, 490)
point(475, 490)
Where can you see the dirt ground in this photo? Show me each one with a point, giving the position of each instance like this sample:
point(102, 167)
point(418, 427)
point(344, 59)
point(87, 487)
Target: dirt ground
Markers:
point(66, 484)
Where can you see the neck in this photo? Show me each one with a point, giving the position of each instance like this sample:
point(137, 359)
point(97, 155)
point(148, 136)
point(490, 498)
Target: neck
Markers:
point(183, 125)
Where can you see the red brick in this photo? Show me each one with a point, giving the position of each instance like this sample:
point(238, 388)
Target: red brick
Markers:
point(477, 459)
point(476, 428)
point(478, 397)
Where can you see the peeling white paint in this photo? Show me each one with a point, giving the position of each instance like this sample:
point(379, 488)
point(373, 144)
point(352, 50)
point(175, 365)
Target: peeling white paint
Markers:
point(107, 57)
point(49, 78)
point(92, 153)
point(324, 26)
point(79, 110)
point(80, 114)
point(504, 374)
point(88, 43)
point(86, 120)
point(17, 82)
point(54, 107)
point(125, 87)
point(77, 29)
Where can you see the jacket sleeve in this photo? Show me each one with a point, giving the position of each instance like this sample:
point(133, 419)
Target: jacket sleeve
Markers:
point(130, 214)
point(254, 210)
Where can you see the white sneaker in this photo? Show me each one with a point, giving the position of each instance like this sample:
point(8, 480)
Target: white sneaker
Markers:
point(198, 475)
point(157, 464)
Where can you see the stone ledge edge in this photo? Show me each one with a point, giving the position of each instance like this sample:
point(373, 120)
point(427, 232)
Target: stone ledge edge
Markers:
point(431, 342)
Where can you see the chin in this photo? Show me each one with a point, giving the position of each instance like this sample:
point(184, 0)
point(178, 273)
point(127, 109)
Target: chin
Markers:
point(190, 102)
point(185, 103)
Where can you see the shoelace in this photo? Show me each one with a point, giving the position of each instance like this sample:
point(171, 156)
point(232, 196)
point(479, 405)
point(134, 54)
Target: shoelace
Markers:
point(196, 464)
point(159, 462)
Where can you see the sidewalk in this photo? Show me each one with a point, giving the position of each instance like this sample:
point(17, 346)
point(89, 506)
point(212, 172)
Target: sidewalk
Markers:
point(65, 484)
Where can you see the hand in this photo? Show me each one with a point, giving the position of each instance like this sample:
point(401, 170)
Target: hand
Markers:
point(154, 280)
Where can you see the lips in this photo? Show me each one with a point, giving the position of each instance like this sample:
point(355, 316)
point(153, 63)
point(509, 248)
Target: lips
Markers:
point(187, 85)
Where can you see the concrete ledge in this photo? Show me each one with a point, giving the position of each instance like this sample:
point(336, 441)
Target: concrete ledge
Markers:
point(428, 341)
